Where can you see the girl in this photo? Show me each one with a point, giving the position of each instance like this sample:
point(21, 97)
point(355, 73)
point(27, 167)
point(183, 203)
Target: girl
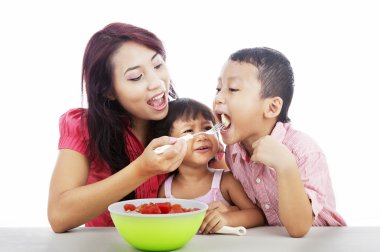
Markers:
point(101, 149)
point(195, 180)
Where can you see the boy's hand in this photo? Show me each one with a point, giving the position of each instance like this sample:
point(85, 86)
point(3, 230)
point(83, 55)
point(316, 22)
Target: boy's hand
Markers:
point(270, 152)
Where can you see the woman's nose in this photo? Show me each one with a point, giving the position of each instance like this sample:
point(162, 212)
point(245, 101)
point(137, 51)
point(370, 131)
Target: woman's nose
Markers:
point(155, 81)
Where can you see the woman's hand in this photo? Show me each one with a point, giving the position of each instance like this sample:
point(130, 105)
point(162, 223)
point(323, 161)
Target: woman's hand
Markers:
point(151, 163)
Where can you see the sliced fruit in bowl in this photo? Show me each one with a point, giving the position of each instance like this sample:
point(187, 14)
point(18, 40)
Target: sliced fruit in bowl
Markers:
point(161, 226)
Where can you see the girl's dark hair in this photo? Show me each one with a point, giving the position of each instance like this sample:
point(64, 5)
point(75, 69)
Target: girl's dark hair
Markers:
point(185, 109)
point(107, 120)
point(275, 74)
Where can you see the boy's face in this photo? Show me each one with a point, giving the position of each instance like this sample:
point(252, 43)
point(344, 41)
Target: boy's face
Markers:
point(238, 100)
point(202, 148)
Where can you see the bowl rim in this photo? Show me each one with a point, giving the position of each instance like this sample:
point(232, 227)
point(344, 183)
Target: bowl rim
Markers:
point(120, 211)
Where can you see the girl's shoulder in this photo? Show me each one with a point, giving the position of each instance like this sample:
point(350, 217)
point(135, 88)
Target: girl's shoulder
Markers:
point(228, 181)
point(227, 175)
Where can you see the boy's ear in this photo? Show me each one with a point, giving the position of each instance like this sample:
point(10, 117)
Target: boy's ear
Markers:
point(273, 107)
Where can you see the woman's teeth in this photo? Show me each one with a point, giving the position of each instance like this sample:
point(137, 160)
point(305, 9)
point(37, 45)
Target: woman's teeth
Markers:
point(157, 101)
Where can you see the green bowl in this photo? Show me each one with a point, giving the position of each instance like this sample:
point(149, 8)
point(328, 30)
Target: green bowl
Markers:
point(158, 232)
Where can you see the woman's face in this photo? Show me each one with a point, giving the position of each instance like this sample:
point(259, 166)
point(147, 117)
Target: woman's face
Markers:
point(140, 81)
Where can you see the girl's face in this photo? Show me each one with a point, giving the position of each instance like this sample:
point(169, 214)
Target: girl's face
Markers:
point(140, 81)
point(238, 100)
point(202, 148)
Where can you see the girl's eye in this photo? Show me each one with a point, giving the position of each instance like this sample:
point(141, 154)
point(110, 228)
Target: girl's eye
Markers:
point(137, 78)
point(233, 89)
point(188, 131)
point(208, 127)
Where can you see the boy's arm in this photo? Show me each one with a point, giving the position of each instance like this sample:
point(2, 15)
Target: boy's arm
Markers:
point(294, 205)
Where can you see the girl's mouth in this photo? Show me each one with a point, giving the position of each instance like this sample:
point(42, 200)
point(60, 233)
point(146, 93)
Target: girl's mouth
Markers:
point(202, 148)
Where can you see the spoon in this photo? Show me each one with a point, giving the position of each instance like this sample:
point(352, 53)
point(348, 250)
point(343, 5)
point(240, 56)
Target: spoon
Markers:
point(232, 230)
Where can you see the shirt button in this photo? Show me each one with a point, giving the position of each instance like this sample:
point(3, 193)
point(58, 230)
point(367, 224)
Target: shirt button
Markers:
point(266, 206)
point(258, 180)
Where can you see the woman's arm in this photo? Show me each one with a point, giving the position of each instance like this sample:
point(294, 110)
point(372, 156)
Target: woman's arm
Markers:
point(72, 201)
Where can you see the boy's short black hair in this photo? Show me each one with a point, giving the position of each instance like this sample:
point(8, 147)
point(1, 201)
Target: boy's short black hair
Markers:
point(184, 109)
point(275, 74)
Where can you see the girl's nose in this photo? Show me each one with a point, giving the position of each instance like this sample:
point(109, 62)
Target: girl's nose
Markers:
point(201, 137)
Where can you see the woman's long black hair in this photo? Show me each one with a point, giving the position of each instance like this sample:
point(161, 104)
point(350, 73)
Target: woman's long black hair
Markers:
point(107, 120)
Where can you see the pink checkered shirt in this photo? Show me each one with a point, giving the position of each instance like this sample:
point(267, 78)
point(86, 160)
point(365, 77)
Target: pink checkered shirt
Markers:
point(260, 182)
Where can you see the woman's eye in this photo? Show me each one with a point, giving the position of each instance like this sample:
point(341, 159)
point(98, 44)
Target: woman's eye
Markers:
point(158, 66)
point(233, 89)
point(218, 90)
point(137, 78)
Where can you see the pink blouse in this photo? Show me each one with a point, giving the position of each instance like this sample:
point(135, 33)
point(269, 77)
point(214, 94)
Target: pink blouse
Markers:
point(74, 136)
point(260, 182)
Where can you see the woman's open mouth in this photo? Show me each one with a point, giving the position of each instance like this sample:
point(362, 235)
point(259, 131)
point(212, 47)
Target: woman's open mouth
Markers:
point(158, 102)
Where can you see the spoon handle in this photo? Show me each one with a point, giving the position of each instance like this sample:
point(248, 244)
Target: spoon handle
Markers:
point(232, 230)
point(163, 148)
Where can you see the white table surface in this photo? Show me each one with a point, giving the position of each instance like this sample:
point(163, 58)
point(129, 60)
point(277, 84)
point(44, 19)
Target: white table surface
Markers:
point(257, 239)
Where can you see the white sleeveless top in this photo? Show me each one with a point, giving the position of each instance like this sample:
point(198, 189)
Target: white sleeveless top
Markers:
point(213, 195)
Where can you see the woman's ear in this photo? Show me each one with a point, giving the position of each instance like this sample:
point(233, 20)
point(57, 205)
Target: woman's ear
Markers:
point(110, 96)
point(273, 107)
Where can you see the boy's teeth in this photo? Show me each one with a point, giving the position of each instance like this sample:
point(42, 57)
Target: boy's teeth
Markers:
point(225, 121)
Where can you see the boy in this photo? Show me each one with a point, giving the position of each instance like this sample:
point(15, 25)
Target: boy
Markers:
point(282, 170)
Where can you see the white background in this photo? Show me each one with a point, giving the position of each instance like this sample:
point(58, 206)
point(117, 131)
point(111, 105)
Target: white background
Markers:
point(334, 48)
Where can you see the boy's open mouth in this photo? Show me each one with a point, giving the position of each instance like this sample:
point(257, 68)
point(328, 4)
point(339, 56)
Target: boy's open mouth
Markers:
point(225, 121)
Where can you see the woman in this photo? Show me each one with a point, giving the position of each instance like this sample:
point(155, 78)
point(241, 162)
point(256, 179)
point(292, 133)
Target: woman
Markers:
point(106, 151)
